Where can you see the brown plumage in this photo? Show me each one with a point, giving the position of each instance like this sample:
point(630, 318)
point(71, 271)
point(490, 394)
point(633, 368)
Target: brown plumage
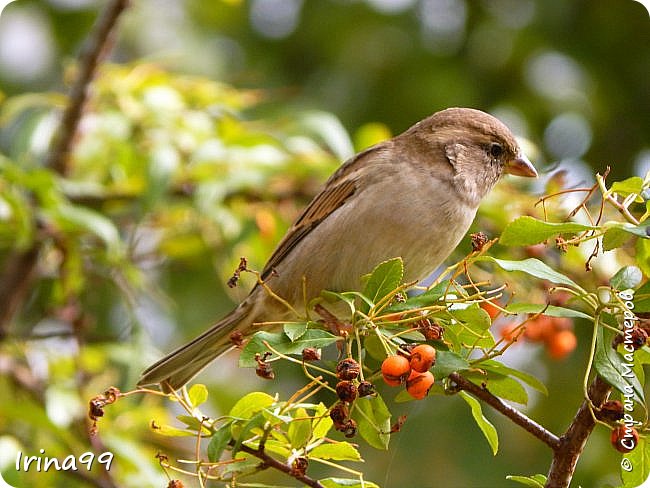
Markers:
point(413, 196)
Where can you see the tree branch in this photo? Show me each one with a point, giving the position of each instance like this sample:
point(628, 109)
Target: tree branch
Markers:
point(573, 441)
point(274, 463)
point(20, 266)
point(513, 414)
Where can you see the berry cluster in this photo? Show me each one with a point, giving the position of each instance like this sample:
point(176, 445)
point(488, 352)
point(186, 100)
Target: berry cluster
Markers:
point(414, 371)
point(348, 389)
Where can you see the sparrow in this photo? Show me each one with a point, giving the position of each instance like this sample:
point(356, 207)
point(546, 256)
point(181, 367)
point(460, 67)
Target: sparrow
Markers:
point(413, 196)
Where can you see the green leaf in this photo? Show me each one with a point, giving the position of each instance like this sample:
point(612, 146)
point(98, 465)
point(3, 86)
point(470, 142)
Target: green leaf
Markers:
point(535, 481)
point(550, 310)
point(315, 338)
point(533, 267)
point(338, 451)
point(295, 330)
point(484, 424)
point(299, 431)
point(385, 278)
point(426, 299)
point(626, 278)
point(95, 223)
point(346, 483)
point(168, 430)
point(197, 394)
point(448, 362)
point(613, 369)
point(628, 186)
point(322, 422)
point(373, 420)
point(614, 238)
point(472, 328)
point(639, 461)
point(500, 385)
point(530, 380)
point(219, 442)
point(526, 231)
point(643, 255)
point(250, 404)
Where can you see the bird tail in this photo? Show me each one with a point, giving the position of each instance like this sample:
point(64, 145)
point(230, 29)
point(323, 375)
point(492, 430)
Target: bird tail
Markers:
point(180, 366)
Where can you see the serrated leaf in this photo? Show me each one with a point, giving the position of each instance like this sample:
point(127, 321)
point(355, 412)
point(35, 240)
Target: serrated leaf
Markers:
point(337, 451)
point(626, 278)
point(385, 278)
point(299, 430)
point(550, 310)
point(484, 424)
point(472, 328)
point(251, 403)
point(346, 483)
point(500, 385)
point(315, 338)
point(613, 369)
point(295, 330)
point(322, 422)
point(219, 442)
point(628, 186)
point(535, 481)
point(527, 378)
point(197, 394)
point(533, 267)
point(448, 362)
point(526, 231)
point(373, 421)
point(639, 460)
point(426, 299)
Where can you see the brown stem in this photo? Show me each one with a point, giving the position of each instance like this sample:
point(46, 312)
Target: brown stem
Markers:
point(565, 456)
point(513, 414)
point(274, 463)
point(20, 266)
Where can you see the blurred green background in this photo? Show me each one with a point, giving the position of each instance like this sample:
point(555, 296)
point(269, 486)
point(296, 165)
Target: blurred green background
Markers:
point(569, 76)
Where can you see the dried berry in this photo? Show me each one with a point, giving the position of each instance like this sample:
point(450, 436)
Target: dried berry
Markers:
point(346, 391)
point(430, 330)
point(349, 428)
point(264, 369)
point(419, 384)
point(311, 354)
point(339, 414)
point(299, 466)
point(479, 239)
point(624, 439)
point(237, 338)
point(612, 411)
point(397, 426)
point(348, 369)
point(423, 356)
point(395, 370)
point(175, 484)
point(366, 388)
point(639, 338)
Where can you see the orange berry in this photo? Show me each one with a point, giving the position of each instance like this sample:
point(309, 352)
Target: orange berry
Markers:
point(419, 384)
point(624, 439)
point(423, 356)
point(507, 331)
point(539, 329)
point(395, 370)
point(561, 344)
point(491, 309)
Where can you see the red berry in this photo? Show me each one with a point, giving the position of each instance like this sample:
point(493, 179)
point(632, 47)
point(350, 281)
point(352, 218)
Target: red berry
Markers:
point(624, 439)
point(561, 344)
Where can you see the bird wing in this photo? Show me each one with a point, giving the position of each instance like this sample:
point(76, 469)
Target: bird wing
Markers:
point(338, 189)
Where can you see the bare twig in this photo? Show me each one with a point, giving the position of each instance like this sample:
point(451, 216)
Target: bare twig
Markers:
point(573, 441)
point(513, 414)
point(20, 266)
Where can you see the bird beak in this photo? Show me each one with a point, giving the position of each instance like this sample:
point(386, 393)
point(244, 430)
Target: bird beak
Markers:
point(521, 166)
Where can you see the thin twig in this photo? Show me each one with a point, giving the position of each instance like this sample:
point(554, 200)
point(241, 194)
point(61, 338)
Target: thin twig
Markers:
point(513, 414)
point(275, 464)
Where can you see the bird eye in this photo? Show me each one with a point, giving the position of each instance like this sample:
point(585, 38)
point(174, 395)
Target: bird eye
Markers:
point(496, 150)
